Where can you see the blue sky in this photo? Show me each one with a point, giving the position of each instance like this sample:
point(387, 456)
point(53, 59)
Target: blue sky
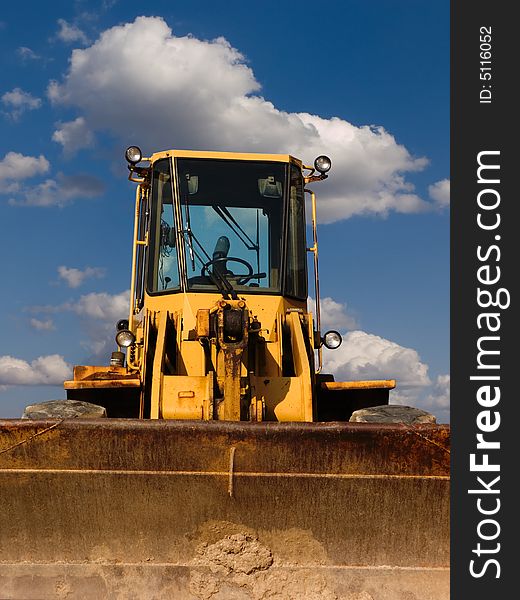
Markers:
point(365, 82)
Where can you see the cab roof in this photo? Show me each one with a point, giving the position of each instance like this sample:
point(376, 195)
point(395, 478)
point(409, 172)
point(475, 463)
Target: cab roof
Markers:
point(285, 158)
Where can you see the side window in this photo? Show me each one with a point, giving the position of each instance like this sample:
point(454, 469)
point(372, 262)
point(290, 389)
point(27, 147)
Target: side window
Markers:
point(296, 263)
point(165, 268)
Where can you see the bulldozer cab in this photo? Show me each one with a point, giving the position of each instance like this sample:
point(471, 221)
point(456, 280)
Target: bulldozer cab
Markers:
point(227, 226)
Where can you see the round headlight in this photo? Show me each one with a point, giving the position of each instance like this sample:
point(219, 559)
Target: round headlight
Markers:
point(332, 340)
point(133, 154)
point(125, 338)
point(322, 164)
point(122, 324)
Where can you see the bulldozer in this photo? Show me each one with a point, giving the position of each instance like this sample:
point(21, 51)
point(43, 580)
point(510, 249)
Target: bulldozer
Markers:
point(227, 464)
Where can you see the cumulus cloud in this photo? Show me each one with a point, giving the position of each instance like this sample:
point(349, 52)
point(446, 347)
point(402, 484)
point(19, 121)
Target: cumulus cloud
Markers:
point(366, 356)
point(45, 370)
point(434, 398)
point(60, 191)
point(75, 277)
point(334, 315)
point(440, 193)
point(17, 102)
point(439, 398)
point(70, 33)
point(15, 166)
point(73, 136)
point(99, 312)
point(101, 306)
point(186, 92)
point(47, 325)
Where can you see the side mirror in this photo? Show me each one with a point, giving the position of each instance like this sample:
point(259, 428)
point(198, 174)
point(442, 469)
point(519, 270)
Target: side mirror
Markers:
point(270, 188)
point(168, 235)
point(193, 183)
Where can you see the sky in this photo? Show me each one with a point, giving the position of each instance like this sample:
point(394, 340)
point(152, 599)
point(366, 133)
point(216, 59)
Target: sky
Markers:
point(366, 83)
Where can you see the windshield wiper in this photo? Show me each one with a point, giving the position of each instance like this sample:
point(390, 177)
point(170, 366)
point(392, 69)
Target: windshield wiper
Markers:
point(190, 235)
point(228, 218)
point(219, 279)
point(232, 223)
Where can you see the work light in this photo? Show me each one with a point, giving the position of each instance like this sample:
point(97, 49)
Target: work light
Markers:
point(133, 154)
point(322, 164)
point(122, 324)
point(332, 340)
point(125, 338)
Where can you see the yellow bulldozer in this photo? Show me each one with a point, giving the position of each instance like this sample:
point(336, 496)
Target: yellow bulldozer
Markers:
point(227, 464)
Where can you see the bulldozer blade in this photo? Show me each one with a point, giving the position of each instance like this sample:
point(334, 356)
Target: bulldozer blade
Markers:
point(223, 510)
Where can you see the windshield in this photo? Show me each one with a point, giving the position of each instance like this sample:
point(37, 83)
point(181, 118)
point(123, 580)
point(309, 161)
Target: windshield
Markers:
point(232, 213)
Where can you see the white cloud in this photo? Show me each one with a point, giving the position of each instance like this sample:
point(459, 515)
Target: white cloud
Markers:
point(15, 166)
point(69, 33)
point(47, 325)
point(26, 53)
point(366, 356)
point(99, 306)
point(60, 191)
point(73, 136)
point(440, 192)
point(192, 93)
point(434, 398)
point(334, 315)
point(99, 313)
point(75, 277)
point(45, 370)
point(102, 306)
point(439, 398)
point(18, 101)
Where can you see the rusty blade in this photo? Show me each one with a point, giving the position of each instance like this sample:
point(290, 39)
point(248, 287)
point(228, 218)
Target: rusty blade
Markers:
point(140, 492)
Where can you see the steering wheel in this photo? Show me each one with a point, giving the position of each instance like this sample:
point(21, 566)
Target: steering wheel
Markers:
point(241, 279)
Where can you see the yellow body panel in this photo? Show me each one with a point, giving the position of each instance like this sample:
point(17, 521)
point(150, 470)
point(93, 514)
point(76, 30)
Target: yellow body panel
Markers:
point(190, 393)
point(291, 398)
point(101, 377)
point(268, 310)
point(285, 158)
point(187, 397)
point(358, 385)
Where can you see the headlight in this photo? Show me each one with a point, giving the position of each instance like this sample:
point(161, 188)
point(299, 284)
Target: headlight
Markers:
point(133, 154)
point(125, 338)
point(332, 340)
point(322, 164)
point(122, 324)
